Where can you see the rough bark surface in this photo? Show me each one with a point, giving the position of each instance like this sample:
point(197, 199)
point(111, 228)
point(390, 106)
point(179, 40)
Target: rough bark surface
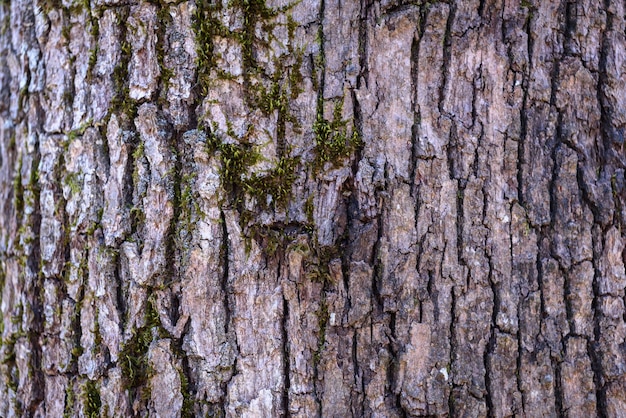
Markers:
point(318, 208)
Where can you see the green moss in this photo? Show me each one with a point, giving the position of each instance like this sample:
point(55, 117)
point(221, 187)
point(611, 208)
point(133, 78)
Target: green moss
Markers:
point(271, 99)
point(95, 224)
point(93, 58)
point(254, 11)
point(97, 336)
point(74, 182)
point(137, 214)
point(92, 400)
point(48, 5)
point(70, 401)
point(295, 75)
point(207, 26)
point(322, 323)
point(187, 409)
point(164, 18)
point(139, 151)
point(76, 352)
point(308, 209)
point(75, 133)
point(270, 189)
point(18, 190)
point(133, 357)
point(65, 32)
point(285, 85)
point(319, 63)
point(31, 191)
point(270, 239)
point(333, 142)
point(189, 208)
point(268, 93)
point(6, 22)
point(12, 373)
point(236, 161)
point(138, 155)
point(121, 102)
point(318, 267)
point(276, 184)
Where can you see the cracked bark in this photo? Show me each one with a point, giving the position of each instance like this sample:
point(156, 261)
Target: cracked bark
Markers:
point(451, 242)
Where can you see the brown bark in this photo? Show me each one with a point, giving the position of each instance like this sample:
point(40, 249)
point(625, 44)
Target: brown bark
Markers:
point(318, 208)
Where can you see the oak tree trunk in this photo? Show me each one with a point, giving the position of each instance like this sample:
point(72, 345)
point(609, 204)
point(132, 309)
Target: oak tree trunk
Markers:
point(312, 208)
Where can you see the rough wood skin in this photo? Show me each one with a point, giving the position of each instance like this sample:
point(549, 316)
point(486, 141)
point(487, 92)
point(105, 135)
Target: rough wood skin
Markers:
point(462, 254)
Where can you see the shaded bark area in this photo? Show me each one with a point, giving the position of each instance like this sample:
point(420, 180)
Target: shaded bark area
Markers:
point(318, 208)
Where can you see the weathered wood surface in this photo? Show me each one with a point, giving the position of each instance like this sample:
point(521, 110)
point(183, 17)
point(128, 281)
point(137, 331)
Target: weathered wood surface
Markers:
point(318, 208)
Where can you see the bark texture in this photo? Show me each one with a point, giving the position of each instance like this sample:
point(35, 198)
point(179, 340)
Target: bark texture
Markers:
point(319, 208)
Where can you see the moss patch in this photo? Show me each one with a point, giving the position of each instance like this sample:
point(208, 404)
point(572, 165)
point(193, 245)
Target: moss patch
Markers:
point(271, 189)
point(92, 400)
point(333, 142)
point(133, 358)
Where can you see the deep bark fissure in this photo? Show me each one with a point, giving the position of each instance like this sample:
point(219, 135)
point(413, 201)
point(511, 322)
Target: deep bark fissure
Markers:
point(593, 346)
point(286, 358)
point(518, 363)
point(120, 293)
point(491, 344)
point(392, 371)
point(523, 113)
point(447, 55)
point(558, 391)
point(415, 47)
point(225, 264)
point(453, 348)
point(37, 306)
point(460, 216)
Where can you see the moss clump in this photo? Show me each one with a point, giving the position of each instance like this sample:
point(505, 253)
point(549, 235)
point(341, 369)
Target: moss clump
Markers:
point(236, 160)
point(271, 239)
point(526, 4)
point(121, 102)
point(75, 133)
point(277, 183)
point(322, 322)
point(92, 400)
point(189, 209)
point(18, 190)
point(187, 409)
point(138, 157)
point(95, 224)
point(270, 189)
point(207, 26)
point(333, 143)
point(133, 357)
point(74, 182)
point(254, 11)
point(318, 267)
point(164, 18)
point(70, 400)
point(276, 96)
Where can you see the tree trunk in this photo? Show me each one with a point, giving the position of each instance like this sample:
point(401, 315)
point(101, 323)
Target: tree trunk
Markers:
point(317, 208)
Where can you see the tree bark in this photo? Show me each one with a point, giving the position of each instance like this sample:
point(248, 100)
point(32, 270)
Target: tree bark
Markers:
point(317, 208)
